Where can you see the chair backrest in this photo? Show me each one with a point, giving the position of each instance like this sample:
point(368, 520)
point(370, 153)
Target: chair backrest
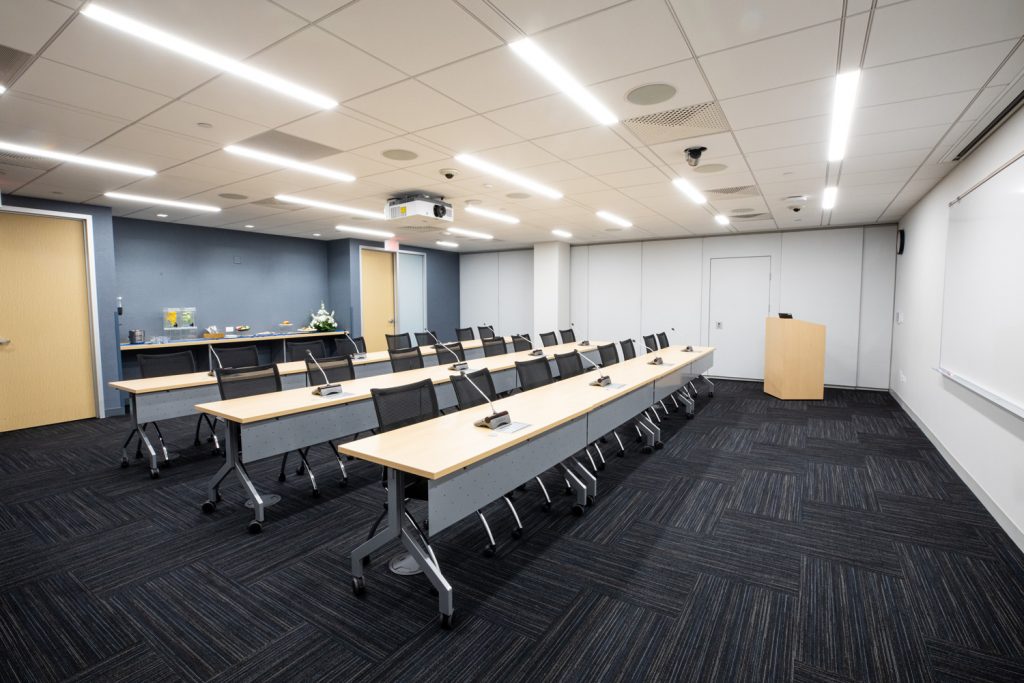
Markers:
point(494, 347)
point(239, 382)
point(426, 338)
point(346, 345)
point(296, 350)
point(650, 342)
point(663, 340)
point(569, 364)
point(408, 404)
point(236, 356)
point(454, 353)
point(628, 351)
point(406, 359)
point(568, 336)
point(398, 341)
point(486, 331)
point(521, 342)
point(609, 356)
point(163, 364)
point(464, 333)
point(534, 373)
point(337, 369)
point(548, 339)
point(466, 395)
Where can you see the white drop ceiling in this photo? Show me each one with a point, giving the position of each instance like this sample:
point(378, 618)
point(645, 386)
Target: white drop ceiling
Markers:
point(436, 77)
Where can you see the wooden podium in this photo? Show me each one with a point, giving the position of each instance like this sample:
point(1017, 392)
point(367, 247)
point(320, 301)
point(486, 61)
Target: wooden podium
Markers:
point(794, 359)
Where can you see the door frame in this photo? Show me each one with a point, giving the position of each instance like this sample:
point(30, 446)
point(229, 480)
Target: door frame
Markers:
point(90, 274)
point(711, 262)
point(396, 264)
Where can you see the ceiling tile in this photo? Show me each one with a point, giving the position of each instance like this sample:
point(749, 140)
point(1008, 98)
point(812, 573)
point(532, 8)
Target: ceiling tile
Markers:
point(642, 177)
point(151, 147)
point(894, 175)
point(26, 25)
point(335, 129)
point(881, 162)
point(519, 156)
point(469, 135)
point(240, 99)
point(782, 104)
point(181, 117)
point(312, 9)
point(684, 76)
point(27, 120)
point(786, 134)
point(424, 152)
point(815, 171)
point(535, 15)
point(470, 81)
point(788, 156)
point(56, 191)
point(12, 177)
point(786, 60)
point(854, 32)
point(719, 146)
point(414, 37)
point(927, 111)
point(540, 118)
point(584, 142)
point(721, 24)
point(924, 137)
point(409, 105)
point(612, 162)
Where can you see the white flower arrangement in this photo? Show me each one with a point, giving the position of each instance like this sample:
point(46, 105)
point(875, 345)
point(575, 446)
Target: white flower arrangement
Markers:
point(323, 321)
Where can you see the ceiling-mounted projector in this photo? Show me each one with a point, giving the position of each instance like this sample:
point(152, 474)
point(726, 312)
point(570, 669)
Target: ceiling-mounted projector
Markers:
point(419, 205)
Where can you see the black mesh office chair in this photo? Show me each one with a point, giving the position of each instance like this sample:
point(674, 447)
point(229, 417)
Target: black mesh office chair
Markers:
point(569, 364)
point(609, 356)
point(236, 356)
point(548, 339)
point(568, 336)
point(628, 351)
point(650, 343)
point(426, 338)
point(464, 334)
point(663, 340)
point(486, 331)
point(162, 365)
point(521, 342)
point(494, 347)
point(398, 341)
point(533, 373)
point(450, 353)
point(406, 359)
point(296, 350)
point(336, 369)
point(347, 345)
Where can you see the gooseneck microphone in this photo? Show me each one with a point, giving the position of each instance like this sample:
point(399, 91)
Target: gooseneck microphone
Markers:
point(602, 380)
point(533, 351)
point(496, 418)
point(584, 342)
point(219, 364)
point(658, 360)
point(458, 364)
point(327, 388)
point(358, 355)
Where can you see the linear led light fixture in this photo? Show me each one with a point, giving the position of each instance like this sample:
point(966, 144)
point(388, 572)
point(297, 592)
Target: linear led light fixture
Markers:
point(721, 219)
point(828, 197)
point(158, 201)
point(842, 113)
point(444, 243)
point(370, 232)
point(470, 233)
point(514, 178)
point(2, 90)
point(75, 159)
point(561, 233)
point(555, 73)
point(684, 186)
point(250, 153)
point(186, 48)
point(612, 218)
point(327, 206)
point(503, 217)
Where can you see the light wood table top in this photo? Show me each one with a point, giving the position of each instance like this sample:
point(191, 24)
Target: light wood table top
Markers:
point(269, 406)
point(200, 341)
point(438, 447)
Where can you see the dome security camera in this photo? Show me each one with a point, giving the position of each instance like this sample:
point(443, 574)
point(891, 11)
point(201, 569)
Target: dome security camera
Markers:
point(448, 173)
point(693, 154)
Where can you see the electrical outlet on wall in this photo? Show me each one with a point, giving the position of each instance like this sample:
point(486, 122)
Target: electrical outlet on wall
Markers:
point(903, 378)
point(238, 259)
point(899, 317)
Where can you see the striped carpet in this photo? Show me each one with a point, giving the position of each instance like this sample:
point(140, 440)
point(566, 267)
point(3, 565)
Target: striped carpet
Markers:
point(768, 541)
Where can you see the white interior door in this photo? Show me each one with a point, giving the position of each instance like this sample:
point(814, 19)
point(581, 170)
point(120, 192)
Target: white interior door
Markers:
point(411, 288)
point(740, 300)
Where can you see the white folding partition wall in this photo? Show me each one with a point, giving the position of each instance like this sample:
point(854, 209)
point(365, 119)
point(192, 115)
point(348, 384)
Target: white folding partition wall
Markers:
point(496, 288)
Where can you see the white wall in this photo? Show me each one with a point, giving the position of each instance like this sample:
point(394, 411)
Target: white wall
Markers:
point(496, 288)
point(982, 441)
point(551, 286)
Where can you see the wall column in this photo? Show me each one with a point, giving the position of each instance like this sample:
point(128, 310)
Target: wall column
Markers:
point(551, 284)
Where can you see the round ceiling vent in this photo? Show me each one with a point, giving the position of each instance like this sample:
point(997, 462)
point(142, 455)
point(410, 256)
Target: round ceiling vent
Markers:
point(710, 168)
point(740, 212)
point(204, 124)
point(654, 93)
point(232, 195)
point(399, 154)
point(517, 195)
point(472, 202)
point(613, 229)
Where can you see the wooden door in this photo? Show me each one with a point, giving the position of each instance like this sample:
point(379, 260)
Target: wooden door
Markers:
point(377, 285)
point(46, 354)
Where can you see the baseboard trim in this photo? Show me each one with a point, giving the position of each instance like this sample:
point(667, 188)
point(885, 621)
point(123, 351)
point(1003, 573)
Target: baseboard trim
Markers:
point(1012, 530)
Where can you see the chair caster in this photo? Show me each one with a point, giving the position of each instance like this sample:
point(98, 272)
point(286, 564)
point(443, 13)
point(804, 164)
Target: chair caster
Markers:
point(218, 451)
point(647, 449)
point(344, 482)
point(689, 416)
point(282, 477)
point(154, 474)
point(316, 493)
point(447, 621)
point(546, 507)
point(711, 394)
point(521, 487)
point(209, 439)
point(517, 533)
point(658, 445)
point(209, 507)
point(577, 510)
point(358, 587)
point(603, 439)
point(567, 491)
point(255, 527)
point(591, 501)
point(601, 467)
point(124, 464)
point(490, 549)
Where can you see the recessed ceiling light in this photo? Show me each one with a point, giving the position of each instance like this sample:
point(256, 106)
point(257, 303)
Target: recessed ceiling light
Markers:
point(555, 73)
point(316, 234)
point(277, 160)
point(503, 217)
point(653, 93)
point(514, 178)
point(517, 195)
point(472, 202)
point(75, 159)
point(690, 191)
point(232, 195)
point(470, 233)
point(337, 208)
point(842, 113)
point(204, 124)
point(828, 197)
point(444, 243)
point(199, 53)
point(399, 154)
point(161, 202)
point(721, 220)
point(612, 218)
point(2, 90)
point(161, 215)
point(365, 231)
point(561, 233)
point(488, 186)
point(250, 226)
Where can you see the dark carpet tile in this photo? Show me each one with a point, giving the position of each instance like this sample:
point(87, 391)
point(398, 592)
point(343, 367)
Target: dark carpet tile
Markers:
point(139, 662)
point(691, 504)
point(963, 515)
point(858, 624)
point(832, 429)
point(802, 673)
point(840, 485)
point(724, 617)
point(906, 477)
point(767, 494)
point(615, 512)
point(71, 514)
point(782, 434)
point(722, 438)
point(954, 664)
point(882, 426)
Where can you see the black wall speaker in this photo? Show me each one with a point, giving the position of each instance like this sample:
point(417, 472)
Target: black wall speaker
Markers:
point(901, 241)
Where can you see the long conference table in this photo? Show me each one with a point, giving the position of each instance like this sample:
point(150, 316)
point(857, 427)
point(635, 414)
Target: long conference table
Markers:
point(163, 398)
point(467, 467)
point(266, 425)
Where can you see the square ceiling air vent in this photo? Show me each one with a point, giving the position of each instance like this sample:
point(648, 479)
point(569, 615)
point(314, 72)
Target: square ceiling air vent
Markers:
point(737, 192)
point(678, 124)
point(289, 146)
point(26, 161)
point(11, 62)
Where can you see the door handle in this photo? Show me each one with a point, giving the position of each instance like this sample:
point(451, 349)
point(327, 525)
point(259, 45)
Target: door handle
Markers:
point(4, 342)
point(391, 322)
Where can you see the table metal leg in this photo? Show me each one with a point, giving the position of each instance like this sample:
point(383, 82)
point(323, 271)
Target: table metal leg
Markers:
point(445, 600)
point(389, 533)
point(154, 468)
point(577, 485)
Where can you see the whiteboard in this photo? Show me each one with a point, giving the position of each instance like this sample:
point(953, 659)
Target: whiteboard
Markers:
point(983, 301)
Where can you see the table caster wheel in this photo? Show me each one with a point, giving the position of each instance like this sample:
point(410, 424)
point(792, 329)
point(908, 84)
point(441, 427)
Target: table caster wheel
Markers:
point(647, 449)
point(316, 493)
point(577, 510)
point(124, 464)
point(255, 527)
point(658, 445)
point(154, 474)
point(567, 491)
point(209, 507)
point(358, 587)
point(447, 621)
point(711, 394)
point(300, 470)
point(517, 533)
point(591, 501)
point(282, 477)
point(490, 549)
point(601, 467)
point(689, 416)
point(344, 482)
point(546, 507)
